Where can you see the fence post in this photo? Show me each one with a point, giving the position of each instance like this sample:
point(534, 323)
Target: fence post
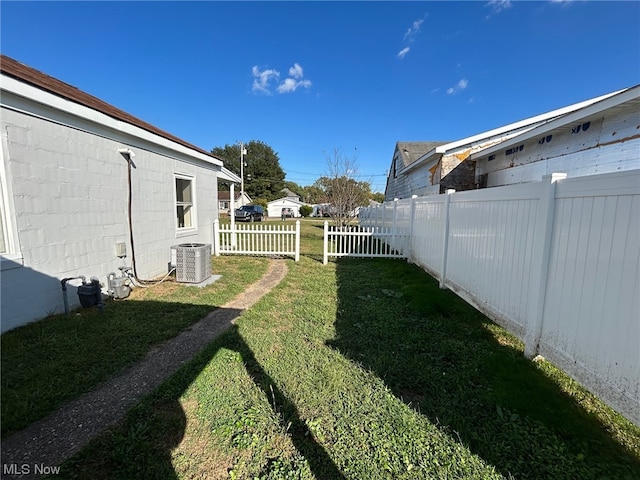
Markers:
point(297, 255)
point(216, 237)
point(394, 225)
point(445, 239)
point(541, 252)
point(325, 246)
point(412, 219)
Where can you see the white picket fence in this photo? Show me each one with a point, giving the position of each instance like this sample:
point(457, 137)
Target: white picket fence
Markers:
point(364, 242)
point(556, 263)
point(256, 239)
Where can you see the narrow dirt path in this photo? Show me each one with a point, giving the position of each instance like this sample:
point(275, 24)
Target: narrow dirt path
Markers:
point(52, 440)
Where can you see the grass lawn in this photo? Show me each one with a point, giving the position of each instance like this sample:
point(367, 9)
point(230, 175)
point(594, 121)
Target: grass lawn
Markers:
point(49, 362)
point(361, 369)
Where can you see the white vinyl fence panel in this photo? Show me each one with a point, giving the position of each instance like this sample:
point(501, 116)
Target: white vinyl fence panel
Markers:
point(591, 321)
point(491, 243)
point(555, 262)
point(427, 243)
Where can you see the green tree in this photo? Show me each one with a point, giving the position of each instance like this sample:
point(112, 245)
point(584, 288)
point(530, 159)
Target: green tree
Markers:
point(263, 176)
point(314, 194)
point(306, 210)
point(377, 197)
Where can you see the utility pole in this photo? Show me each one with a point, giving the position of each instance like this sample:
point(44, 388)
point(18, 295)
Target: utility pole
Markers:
point(243, 152)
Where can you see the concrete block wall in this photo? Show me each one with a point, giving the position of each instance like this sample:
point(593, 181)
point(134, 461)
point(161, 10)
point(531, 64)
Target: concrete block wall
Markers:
point(70, 195)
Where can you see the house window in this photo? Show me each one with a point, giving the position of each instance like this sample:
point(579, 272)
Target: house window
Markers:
point(185, 209)
point(3, 245)
point(10, 255)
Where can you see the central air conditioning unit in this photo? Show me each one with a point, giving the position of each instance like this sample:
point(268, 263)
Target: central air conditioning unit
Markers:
point(192, 262)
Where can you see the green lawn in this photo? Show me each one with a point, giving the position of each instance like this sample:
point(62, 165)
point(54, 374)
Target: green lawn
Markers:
point(361, 369)
point(48, 362)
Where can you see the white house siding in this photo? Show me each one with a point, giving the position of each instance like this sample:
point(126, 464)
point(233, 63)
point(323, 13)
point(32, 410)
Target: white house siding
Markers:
point(69, 204)
point(609, 144)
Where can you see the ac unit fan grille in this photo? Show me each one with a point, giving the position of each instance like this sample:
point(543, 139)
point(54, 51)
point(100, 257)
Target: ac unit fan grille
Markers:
point(193, 262)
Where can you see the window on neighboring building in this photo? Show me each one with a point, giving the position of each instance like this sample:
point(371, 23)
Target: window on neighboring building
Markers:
point(184, 202)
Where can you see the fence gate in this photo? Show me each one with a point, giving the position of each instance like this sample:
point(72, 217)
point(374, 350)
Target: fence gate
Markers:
point(252, 239)
point(364, 242)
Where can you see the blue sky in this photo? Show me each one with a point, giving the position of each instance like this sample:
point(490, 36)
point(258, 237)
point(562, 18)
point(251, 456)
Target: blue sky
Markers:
point(311, 77)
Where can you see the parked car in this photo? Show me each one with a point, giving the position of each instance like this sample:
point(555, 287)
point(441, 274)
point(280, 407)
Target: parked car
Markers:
point(249, 213)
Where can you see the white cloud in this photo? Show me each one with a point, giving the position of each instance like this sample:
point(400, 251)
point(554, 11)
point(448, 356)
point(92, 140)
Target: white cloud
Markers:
point(413, 31)
point(403, 52)
point(499, 5)
point(458, 87)
point(411, 34)
point(261, 79)
point(296, 71)
point(291, 84)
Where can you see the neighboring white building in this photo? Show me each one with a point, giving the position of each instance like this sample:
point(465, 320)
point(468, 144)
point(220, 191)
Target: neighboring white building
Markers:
point(274, 208)
point(446, 166)
point(291, 200)
point(73, 169)
point(599, 138)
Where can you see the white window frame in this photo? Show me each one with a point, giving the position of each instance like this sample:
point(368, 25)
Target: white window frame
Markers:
point(181, 231)
point(12, 256)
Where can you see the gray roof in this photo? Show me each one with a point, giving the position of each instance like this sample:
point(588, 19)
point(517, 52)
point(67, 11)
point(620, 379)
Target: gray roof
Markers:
point(412, 151)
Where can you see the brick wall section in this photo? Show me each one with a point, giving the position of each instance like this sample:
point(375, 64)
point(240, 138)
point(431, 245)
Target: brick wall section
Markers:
point(457, 174)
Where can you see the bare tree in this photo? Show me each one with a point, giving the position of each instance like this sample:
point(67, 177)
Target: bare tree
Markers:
point(344, 193)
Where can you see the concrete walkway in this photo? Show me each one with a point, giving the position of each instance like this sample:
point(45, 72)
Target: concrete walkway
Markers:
point(54, 439)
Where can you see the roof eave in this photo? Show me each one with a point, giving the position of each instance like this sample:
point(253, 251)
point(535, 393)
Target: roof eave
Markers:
point(32, 93)
point(229, 176)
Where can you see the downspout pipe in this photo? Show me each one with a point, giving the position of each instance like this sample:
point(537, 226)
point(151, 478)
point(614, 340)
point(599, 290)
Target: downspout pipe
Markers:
point(64, 291)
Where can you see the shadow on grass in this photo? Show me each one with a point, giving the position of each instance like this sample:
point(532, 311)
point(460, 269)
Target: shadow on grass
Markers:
point(445, 359)
point(141, 446)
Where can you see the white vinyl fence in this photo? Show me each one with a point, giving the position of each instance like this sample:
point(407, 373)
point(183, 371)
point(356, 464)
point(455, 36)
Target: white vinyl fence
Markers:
point(555, 262)
point(256, 239)
point(364, 242)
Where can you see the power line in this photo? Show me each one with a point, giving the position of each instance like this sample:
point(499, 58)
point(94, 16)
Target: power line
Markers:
point(357, 175)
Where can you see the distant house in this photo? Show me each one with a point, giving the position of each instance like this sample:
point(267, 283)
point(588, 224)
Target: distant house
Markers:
point(289, 194)
point(224, 200)
point(441, 166)
point(85, 188)
point(599, 138)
